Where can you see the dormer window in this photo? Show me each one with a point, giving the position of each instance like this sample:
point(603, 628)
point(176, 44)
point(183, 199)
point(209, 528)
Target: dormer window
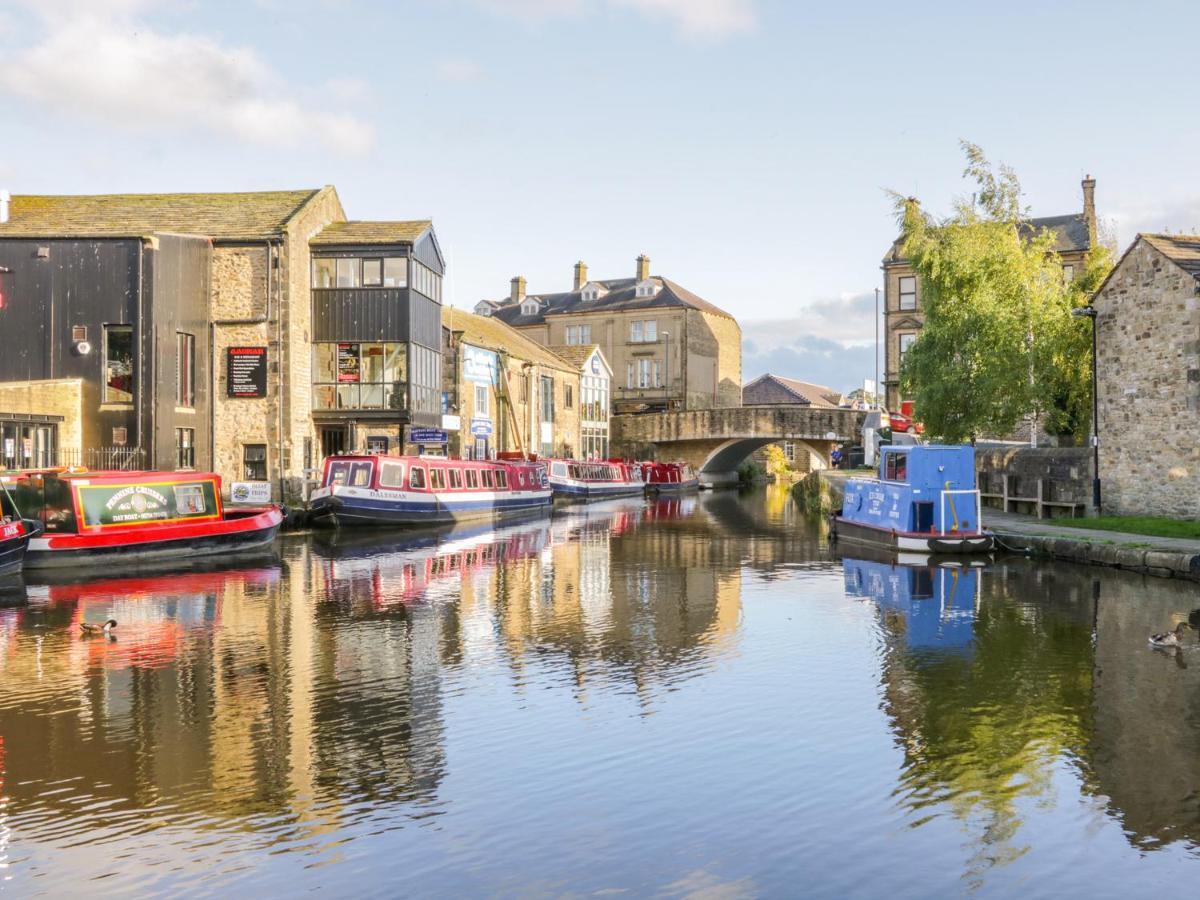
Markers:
point(530, 307)
point(646, 288)
point(483, 308)
point(593, 291)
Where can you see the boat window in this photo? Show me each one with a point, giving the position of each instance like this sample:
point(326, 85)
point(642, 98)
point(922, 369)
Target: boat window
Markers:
point(574, 470)
point(486, 474)
point(338, 472)
point(437, 479)
point(896, 467)
point(472, 478)
point(455, 479)
point(501, 479)
point(560, 469)
point(416, 478)
point(391, 475)
point(360, 474)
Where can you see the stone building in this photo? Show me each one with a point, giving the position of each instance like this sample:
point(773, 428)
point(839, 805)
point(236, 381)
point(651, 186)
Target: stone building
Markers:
point(1148, 371)
point(595, 397)
point(668, 348)
point(776, 390)
point(505, 392)
point(175, 330)
point(1074, 236)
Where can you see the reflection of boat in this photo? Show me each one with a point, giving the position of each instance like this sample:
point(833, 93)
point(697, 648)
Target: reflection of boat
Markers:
point(924, 500)
point(109, 517)
point(594, 479)
point(669, 477)
point(426, 490)
point(937, 603)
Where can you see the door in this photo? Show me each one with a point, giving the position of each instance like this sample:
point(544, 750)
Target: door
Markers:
point(334, 439)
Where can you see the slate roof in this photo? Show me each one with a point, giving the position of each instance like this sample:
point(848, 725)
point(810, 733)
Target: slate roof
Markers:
point(1070, 235)
point(1181, 249)
point(360, 232)
point(621, 297)
point(487, 333)
point(805, 392)
point(258, 214)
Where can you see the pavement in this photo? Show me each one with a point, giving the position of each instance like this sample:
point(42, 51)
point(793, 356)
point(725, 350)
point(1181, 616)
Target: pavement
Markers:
point(1015, 523)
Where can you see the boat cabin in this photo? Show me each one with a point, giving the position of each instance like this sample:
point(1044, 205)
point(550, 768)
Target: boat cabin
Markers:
point(431, 474)
point(926, 488)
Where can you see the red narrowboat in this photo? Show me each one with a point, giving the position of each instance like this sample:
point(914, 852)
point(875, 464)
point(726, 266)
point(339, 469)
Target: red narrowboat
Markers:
point(117, 517)
point(669, 477)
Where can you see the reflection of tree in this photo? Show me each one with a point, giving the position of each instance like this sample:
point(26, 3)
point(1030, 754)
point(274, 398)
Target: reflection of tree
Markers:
point(981, 732)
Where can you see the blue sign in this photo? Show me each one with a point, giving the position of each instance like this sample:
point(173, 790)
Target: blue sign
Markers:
point(480, 366)
point(428, 436)
point(481, 427)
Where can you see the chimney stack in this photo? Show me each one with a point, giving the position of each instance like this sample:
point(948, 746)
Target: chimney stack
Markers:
point(5, 198)
point(518, 289)
point(580, 275)
point(643, 267)
point(1089, 208)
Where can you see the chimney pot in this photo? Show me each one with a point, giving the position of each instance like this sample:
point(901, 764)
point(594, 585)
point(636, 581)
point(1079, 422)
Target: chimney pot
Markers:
point(581, 275)
point(517, 294)
point(643, 267)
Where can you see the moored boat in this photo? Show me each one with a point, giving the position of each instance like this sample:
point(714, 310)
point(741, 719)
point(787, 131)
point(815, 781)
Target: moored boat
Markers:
point(15, 534)
point(592, 479)
point(669, 477)
point(924, 500)
point(117, 517)
point(426, 490)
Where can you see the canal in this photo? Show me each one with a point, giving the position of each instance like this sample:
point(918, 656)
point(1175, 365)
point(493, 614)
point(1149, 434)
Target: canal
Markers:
point(687, 698)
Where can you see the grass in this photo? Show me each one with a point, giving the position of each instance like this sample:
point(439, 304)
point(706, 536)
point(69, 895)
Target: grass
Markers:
point(1151, 525)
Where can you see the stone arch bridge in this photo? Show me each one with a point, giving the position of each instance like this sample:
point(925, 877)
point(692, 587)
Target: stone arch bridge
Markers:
point(716, 441)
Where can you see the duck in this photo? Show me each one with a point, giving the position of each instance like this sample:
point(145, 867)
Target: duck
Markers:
point(94, 628)
point(1170, 638)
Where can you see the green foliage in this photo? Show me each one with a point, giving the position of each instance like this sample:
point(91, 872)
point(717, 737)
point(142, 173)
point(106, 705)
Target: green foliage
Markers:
point(999, 342)
point(750, 472)
point(1151, 525)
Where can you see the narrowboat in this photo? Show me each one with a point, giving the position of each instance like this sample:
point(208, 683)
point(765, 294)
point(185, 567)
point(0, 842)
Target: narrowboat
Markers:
point(15, 534)
point(573, 479)
point(669, 477)
point(90, 518)
point(924, 500)
point(375, 489)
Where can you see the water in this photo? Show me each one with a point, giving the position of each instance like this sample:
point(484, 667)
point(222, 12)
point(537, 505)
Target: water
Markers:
point(691, 698)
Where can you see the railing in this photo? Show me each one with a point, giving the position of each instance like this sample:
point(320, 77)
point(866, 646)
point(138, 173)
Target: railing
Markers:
point(109, 458)
point(1046, 497)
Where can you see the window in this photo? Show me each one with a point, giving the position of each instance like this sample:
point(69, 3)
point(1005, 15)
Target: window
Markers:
point(646, 288)
point(185, 370)
point(579, 334)
point(377, 444)
point(895, 467)
point(908, 292)
point(395, 271)
point(348, 273)
point(1068, 274)
point(391, 475)
point(530, 308)
point(568, 397)
point(118, 364)
point(906, 341)
point(629, 375)
point(501, 479)
point(360, 376)
point(635, 332)
point(427, 281)
point(486, 475)
point(372, 272)
point(789, 451)
point(481, 400)
point(254, 462)
point(416, 478)
point(324, 272)
point(185, 448)
point(437, 479)
point(455, 479)
point(643, 331)
point(547, 398)
point(472, 479)
point(647, 373)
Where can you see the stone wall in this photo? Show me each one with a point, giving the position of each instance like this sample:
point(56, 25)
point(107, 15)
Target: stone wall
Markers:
point(1149, 387)
point(728, 335)
point(1065, 471)
point(59, 397)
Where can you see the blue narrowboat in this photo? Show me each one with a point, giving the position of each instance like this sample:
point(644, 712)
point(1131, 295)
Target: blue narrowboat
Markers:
point(426, 491)
point(924, 500)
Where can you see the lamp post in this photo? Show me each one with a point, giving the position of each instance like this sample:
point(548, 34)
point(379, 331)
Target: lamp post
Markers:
point(667, 342)
point(1089, 312)
point(876, 349)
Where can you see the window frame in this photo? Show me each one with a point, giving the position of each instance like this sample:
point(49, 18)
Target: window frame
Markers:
point(108, 331)
point(185, 370)
point(902, 293)
point(248, 462)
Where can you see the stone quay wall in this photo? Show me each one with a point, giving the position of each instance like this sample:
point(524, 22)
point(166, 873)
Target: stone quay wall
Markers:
point(1066, 473)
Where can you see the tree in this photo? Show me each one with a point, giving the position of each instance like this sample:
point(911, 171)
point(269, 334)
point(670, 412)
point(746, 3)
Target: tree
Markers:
point(999, 342)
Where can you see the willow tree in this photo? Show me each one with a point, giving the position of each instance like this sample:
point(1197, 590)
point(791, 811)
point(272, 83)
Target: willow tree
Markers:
point(999, 343)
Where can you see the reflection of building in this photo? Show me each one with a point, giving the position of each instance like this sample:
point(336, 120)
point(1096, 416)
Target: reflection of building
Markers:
point(668, 348)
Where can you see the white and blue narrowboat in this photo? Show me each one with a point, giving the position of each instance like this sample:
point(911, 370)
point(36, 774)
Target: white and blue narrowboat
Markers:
point(594, 479)
point(924, 500)
point(426, 490)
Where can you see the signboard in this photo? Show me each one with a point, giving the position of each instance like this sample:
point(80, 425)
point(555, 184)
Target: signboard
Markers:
point(452, 423)
point(347, 363)
point(428, 436)
point(250, 492)
point(127, 504)
point(481, 427)
point(480, 366)
point(246, 372)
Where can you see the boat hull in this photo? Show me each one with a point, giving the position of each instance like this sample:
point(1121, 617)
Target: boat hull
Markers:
point(582, 490)
point(14, 541)
point(672, 487)
point(858, 533)
point(240, 532)
point(352, 507)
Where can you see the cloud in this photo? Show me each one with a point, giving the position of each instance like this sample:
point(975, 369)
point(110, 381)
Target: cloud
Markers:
point(694, 19)
point(1180, 216)
point(100, 62)
point(458, 70)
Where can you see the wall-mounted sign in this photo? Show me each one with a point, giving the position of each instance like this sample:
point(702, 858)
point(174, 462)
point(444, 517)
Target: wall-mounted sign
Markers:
point(479, 365)
point(250, 492)
point(347, 363)
point(481, 427)
point(246, 372)
point(428, 436)
point(452, 423)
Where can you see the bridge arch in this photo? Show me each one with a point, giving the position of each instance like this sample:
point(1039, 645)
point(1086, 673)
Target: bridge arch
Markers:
point(722, 462)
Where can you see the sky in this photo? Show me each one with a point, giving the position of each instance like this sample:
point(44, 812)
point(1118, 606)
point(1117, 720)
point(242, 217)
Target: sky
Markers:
point(746, 146)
